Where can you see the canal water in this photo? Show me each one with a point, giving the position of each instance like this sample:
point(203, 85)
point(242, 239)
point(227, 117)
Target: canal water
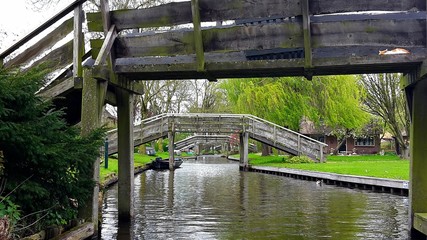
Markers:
point(209, 198)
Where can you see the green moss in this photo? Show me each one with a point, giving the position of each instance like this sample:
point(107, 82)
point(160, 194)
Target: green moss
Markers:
point(370, 29)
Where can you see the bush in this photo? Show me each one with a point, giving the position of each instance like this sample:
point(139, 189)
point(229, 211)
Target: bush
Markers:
point(298, 159)
point(46, 162)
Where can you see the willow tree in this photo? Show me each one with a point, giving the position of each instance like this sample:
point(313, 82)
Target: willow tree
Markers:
point(334, 101)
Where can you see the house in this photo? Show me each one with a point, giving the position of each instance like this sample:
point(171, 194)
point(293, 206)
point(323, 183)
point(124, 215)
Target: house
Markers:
point(367, 142)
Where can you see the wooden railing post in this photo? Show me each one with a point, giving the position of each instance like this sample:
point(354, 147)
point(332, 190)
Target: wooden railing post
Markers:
point(78, 44)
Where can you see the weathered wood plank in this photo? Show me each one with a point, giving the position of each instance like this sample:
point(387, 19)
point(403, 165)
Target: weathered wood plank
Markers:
point(58, 89)
point(340, 6)
point(221, 10)
point(80, 232)
point(180, 13)
point(227, 39)
point(58, 57)
point(403, 33)
point(338, 60)
point(42, 45)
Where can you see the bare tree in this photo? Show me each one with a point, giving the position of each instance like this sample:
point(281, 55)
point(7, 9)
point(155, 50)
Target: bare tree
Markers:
point(385, 99)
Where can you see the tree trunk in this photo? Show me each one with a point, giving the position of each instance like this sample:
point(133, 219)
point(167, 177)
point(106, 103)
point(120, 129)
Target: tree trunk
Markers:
point(405, 153)
point(337, 149)
point(265, 150)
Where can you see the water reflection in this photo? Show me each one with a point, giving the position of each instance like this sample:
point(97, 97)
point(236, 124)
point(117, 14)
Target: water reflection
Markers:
point(212, 199)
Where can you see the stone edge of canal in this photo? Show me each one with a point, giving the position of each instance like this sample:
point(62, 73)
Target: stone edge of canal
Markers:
point(397, 187)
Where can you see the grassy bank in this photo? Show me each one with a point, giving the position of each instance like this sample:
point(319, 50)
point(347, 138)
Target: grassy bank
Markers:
point(139, 160)
point(367, 165)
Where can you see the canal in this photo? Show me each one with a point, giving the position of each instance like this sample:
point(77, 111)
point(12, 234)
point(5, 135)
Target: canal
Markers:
point(209, 198)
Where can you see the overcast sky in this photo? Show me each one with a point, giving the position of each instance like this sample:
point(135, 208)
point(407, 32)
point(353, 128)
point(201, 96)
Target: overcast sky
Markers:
point(17, 18)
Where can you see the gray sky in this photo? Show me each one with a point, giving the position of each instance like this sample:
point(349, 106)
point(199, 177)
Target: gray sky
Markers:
point(17, 18)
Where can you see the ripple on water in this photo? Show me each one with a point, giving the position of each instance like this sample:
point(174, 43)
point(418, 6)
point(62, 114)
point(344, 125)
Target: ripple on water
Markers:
point(212, 199)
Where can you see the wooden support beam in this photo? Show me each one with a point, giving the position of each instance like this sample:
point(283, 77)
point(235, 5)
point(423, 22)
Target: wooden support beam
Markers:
point(111, 98)
point(105, 73)
point(171, 148)
point(125, 153)
point(90, 120)
point(420, 222)
point(308, 64)
point(106, 46)
point(244, 150)
point(418, 148)
point(78, 42)
point(198, 39)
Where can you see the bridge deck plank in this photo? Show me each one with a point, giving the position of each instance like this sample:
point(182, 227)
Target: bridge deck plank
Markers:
point(220, 10)
point(288, 35)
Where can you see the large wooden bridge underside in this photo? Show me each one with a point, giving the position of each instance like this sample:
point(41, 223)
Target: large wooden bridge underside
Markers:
point(257, 38)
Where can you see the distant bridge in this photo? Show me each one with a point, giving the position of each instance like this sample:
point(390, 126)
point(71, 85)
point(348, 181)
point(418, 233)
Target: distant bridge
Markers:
point(256, 128)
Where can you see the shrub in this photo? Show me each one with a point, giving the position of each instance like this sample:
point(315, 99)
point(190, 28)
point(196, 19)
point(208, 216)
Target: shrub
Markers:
point(298, 159)
point(46, 162)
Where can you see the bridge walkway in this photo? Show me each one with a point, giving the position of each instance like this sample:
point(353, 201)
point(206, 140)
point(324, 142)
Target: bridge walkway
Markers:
point(258, 129)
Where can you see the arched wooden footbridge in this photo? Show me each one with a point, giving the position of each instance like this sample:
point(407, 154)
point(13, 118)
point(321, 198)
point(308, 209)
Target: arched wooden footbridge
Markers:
point(224, 39)
point(246, 126)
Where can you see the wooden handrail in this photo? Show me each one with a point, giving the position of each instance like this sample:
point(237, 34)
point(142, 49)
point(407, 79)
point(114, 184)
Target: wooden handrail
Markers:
point(41, 28)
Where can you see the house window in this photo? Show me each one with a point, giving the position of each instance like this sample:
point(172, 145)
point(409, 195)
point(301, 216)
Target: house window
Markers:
point(369, 141)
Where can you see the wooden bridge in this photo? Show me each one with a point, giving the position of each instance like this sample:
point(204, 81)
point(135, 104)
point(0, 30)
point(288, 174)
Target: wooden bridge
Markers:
point(224, 39)
point(196, 140)
point(247, 126)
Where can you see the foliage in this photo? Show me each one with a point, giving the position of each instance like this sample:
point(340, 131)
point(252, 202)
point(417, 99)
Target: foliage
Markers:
point(10, 210)
point(385, 99)
point(333, 101)
point(298, 159)
point(46, 162)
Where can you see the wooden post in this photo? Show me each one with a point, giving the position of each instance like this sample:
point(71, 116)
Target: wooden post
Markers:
point(171, 136)
point(308, 63)
point(78, 44)
point(418, 148)
point(198, 41)
point(321, 153)
point(244, 150)
point(90, 120)
point(125, 152)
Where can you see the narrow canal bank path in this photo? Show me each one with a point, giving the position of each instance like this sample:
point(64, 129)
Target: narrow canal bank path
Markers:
point(387, 166)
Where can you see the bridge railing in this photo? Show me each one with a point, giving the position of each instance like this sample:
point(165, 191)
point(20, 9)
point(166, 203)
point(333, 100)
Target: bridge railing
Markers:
point(279, 136)
point(259, 129)
point(49, 40)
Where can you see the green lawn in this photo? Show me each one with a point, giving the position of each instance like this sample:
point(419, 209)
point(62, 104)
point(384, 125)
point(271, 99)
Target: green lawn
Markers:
point(139, 160)
point(367, 165)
